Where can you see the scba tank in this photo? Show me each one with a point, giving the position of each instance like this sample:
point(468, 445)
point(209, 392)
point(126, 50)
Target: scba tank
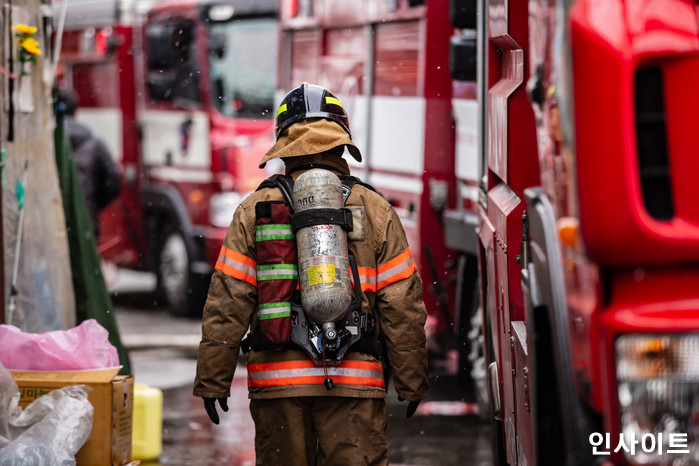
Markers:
point(324, 278)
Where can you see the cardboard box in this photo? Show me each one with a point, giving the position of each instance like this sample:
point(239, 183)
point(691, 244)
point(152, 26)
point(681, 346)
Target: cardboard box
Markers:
point(111, 396)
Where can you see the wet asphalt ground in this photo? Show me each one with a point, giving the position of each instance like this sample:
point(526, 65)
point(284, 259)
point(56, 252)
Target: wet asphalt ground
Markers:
point(446, 430)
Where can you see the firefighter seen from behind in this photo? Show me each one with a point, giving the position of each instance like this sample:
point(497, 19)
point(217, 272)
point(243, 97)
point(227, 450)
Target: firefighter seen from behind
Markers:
point(317, 266)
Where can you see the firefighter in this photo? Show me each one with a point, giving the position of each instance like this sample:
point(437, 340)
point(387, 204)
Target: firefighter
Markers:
point(310, 411)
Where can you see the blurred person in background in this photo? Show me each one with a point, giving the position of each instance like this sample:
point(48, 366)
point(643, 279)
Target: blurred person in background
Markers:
point(307, 412)
point(99, 176)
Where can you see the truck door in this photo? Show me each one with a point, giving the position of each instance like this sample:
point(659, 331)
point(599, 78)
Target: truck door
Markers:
point(174, 127)
point(510, 166)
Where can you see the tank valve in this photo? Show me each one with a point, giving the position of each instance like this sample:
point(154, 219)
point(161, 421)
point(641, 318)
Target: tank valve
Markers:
point(330, 332)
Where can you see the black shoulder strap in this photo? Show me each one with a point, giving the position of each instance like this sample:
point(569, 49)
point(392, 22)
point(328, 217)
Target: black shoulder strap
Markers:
point(284, 183)
point(349, 181)
point(268, 183)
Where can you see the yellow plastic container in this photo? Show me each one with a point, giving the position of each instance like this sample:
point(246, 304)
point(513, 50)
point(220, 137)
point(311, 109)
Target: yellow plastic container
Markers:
point(147, 422)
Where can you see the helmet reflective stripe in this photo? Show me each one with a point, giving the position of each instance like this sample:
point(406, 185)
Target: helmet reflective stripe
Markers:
point(333, 101)
point(272, 232)
point(277, 272)
point(282, 109)
point(274, 310)
point(305, 372)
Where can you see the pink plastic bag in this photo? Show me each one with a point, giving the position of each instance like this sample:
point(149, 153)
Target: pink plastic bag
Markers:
point(83, 347)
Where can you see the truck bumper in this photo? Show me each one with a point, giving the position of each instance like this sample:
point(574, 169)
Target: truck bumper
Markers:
point(652, 317)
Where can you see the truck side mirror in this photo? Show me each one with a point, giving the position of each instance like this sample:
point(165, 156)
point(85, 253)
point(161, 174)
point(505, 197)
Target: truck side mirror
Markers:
point(160, 49)
point(161, 59)
point(168, 54)
point(462, 13)
point(462, 58)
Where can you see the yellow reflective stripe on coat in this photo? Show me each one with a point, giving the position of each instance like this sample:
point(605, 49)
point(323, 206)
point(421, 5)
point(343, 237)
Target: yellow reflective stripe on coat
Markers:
point(305, 372)
point(236, 265)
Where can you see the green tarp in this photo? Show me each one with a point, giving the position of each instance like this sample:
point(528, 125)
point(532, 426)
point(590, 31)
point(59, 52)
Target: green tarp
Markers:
point(92, 300)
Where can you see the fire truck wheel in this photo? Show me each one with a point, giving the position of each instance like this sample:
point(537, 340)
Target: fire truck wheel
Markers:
point(476, 357)
point(177, 285)
point(470, 340)
point(497, 430)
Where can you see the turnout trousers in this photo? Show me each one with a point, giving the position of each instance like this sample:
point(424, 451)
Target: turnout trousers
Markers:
point(328, 430)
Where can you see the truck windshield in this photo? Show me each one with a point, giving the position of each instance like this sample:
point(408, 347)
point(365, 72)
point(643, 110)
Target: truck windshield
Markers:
point(243, 65)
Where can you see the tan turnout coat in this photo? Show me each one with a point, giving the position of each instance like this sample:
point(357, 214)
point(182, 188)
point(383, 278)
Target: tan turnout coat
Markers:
point(392, 291)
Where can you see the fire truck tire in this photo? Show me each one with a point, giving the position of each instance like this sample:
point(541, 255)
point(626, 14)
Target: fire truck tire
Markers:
point(470, 340)
point(559, 439)
point(476, 358)
point(549, 428)
point(471, 371)
point(183, 292)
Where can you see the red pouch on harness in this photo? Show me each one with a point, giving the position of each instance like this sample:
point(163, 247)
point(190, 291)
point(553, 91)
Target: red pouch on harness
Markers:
point(277, 271)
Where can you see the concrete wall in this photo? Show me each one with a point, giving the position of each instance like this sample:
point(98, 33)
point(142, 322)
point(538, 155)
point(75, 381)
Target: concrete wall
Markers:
point(45, 299)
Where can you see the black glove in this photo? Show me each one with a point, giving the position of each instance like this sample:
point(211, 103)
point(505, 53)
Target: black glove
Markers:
point(210, 406)
point(412, 406)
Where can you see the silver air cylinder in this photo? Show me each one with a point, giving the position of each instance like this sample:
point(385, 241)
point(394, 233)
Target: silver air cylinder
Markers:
point(322, 250)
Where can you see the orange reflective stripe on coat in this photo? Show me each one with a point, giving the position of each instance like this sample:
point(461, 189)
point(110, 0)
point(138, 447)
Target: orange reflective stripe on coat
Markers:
point(237, 265)
point(400, 267)
point(305, 372)
point(367, 277)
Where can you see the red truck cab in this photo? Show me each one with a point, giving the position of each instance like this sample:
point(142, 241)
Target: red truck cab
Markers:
point(184, 92)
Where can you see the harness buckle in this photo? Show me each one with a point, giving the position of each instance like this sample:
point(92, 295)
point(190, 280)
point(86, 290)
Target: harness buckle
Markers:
point(366, 322)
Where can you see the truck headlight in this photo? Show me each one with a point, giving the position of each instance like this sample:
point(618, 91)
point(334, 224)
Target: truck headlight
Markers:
point(222, 207)
point(658, 389)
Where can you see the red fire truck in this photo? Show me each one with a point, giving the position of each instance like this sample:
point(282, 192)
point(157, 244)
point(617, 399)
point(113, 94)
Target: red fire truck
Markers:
point(588, 242)
point(182, 92)
point(388, 63)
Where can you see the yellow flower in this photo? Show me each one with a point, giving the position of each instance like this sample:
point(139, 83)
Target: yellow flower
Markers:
point(24, 29)
point(31, 46)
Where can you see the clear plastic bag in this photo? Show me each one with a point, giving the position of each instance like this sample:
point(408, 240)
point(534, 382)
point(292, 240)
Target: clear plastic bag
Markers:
point(86, 346)
point(50, 430)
